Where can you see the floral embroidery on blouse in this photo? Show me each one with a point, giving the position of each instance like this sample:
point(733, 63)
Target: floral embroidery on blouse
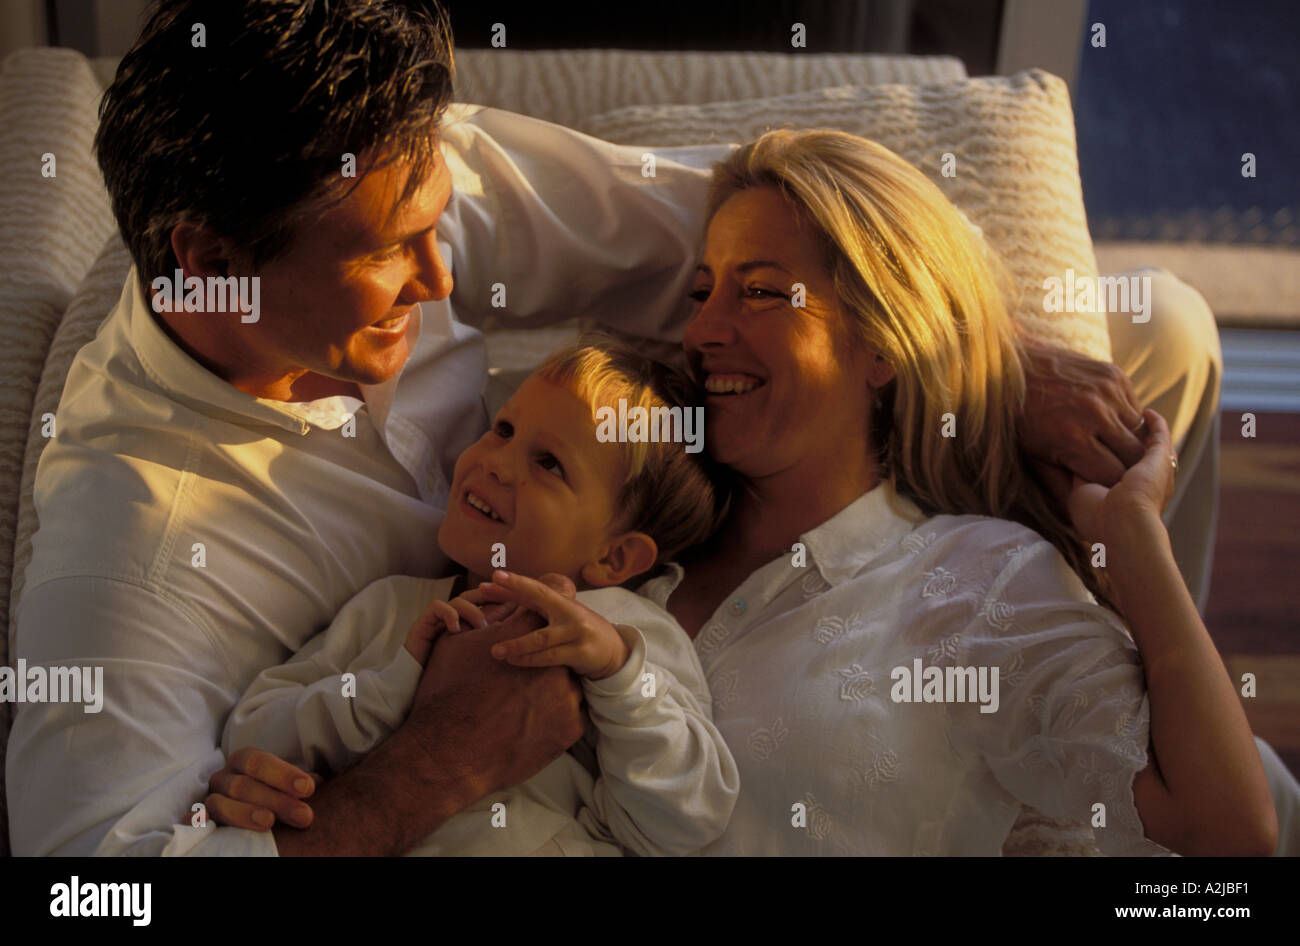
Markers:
point(857, 683)
point(813, 584)
point(763, 741)
point(711, 638)
point(883, 765)
point(999, 614)
point(833, 626)
point(938, 582)
point(723, 688)
point(945, 649)
point(915, 542)
point(1011, 670)
point(819, 819)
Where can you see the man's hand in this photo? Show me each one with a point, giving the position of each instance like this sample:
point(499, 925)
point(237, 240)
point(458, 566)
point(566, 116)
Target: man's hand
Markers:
point(498, 725)
point(255, 788)
point(574, 636)
point(1099, 513)
point(1081, 416)
point(476, 726)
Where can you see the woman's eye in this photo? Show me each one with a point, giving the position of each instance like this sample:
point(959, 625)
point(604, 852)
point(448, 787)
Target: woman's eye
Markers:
point(699, 295)
point(551, 465)
point(758, 292)
point(503, 430)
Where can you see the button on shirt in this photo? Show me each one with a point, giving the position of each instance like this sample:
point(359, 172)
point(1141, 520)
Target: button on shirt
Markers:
point(192, 535)
point(801, 662)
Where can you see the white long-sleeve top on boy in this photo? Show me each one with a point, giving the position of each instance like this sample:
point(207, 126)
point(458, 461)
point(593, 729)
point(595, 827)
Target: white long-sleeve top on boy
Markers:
point(666, 783)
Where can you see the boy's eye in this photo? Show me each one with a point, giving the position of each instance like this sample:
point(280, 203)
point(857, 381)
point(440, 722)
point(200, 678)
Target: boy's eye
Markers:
point(503, 429)
point(548, 463)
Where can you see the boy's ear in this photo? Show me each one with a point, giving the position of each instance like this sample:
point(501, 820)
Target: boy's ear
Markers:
point(626, 556)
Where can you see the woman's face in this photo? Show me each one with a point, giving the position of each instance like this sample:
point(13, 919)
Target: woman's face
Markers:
point(788, 385)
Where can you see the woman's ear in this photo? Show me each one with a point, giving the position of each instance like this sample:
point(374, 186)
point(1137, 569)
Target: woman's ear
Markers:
point(627, 556)
point(879, 371)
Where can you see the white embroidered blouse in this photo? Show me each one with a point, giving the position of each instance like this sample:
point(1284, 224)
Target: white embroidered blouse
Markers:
point(841, 752)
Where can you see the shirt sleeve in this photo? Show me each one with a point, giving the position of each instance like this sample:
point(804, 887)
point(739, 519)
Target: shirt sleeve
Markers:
point(346, 690)
point(668, 782)
point(569, 225)
point(1071, 728)
point(121, 780)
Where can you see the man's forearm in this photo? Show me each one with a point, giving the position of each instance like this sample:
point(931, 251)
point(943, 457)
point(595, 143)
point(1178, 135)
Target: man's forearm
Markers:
point(382, 807)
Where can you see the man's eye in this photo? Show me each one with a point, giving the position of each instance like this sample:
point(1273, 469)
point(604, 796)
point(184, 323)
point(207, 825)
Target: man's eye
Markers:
point(551, 465)
point(392, 251)
point(503, 430)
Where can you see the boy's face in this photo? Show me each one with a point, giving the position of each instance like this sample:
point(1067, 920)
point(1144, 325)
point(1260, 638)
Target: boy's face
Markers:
point(550, 484)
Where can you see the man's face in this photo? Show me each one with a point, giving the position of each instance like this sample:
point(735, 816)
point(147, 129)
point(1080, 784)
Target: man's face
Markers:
point(339, 302)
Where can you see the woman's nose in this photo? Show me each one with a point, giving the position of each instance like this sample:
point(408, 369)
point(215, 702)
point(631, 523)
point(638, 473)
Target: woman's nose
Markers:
point(711, 325)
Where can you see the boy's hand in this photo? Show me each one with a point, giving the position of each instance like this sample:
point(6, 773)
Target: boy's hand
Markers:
point(461, 613)
point(574, 636)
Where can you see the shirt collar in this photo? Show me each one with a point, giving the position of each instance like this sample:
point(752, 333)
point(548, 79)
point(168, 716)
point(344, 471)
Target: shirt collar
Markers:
point(846, 543)
point(839, 548)
point(190, 383)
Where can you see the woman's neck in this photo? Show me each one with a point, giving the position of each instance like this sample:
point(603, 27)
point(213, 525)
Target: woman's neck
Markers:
point(771, 512)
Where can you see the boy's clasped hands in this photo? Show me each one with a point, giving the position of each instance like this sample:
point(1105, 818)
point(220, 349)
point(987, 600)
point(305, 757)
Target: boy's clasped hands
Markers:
point(574, 636)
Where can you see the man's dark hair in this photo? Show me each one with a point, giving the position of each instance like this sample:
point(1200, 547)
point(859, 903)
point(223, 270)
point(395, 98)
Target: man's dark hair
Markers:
point(246, 135)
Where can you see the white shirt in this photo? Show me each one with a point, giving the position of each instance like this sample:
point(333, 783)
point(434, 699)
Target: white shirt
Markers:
point(666, 782)
point(192, 535)
point(801, 658)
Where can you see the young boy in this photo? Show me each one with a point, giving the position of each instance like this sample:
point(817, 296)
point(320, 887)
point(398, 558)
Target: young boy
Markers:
point(542, 491)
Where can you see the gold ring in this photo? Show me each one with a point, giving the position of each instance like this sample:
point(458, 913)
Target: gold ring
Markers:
point(1173, 461)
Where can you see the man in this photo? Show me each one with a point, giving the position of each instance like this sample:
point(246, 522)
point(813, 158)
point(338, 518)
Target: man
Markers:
point(224, 480)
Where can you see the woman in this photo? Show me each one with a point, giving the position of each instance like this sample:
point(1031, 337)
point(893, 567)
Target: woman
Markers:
point(850, 565)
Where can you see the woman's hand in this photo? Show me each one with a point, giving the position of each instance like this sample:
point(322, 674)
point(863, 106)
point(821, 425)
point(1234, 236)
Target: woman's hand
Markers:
point(1080, 415)
point(1144, 490)
point(255, 788)
point(574, 635)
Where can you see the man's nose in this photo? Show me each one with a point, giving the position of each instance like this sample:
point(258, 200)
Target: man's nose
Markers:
point(432, 279)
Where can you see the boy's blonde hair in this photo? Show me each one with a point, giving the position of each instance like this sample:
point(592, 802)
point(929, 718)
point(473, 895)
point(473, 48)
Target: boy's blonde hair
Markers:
point(677, 498)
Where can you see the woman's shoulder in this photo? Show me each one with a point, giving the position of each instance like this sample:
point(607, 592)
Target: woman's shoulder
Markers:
point(999, 559)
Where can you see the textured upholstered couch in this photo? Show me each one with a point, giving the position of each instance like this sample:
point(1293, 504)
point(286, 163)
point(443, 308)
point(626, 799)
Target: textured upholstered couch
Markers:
point(62, 264)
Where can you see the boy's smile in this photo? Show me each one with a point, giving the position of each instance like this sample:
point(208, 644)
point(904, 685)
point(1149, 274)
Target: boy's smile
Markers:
point(539, 483)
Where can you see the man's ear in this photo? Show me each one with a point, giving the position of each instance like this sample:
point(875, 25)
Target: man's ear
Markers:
point(626, 556)
point(200, 252)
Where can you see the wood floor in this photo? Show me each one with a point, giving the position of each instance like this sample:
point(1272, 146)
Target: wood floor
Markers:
point(1254, 607)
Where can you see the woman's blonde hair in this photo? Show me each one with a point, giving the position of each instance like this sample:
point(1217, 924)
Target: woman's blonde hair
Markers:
point(677, 498)
point(924, 291)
